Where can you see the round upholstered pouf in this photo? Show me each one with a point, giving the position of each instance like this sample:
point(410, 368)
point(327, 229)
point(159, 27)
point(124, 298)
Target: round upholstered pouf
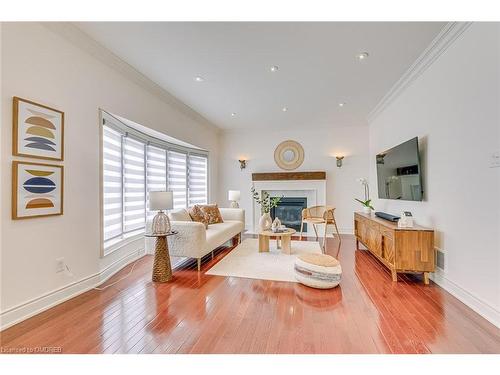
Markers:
point(318, 271)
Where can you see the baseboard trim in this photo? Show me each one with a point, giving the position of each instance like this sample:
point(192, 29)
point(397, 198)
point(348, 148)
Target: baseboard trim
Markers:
point(482, 308)
point(25, 310)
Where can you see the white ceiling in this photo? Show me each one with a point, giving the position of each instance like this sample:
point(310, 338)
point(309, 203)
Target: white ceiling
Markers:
point(317, 63)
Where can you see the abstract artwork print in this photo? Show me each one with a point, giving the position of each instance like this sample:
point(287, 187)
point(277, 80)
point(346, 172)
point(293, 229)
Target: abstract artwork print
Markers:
point(37, 190)
point(38, 131)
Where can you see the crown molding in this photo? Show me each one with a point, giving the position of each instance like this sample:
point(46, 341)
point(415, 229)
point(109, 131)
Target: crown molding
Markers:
point(79, 38)
point(446, 37)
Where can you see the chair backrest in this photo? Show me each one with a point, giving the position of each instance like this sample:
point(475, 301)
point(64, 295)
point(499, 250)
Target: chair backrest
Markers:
point(318, 212)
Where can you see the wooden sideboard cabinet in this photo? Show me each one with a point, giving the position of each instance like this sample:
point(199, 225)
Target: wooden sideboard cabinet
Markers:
point(399, 249)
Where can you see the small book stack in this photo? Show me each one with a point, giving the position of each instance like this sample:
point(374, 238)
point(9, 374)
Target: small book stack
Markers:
point(280, 229)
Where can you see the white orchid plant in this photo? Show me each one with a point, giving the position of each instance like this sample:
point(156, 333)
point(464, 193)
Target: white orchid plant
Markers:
point(367, 201)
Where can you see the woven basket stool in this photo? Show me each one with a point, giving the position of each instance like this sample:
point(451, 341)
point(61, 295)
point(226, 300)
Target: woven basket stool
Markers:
point(318, 271)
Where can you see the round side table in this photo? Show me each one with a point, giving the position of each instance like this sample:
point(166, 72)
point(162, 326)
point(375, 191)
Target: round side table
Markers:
point(285, 237)
point(162, 270)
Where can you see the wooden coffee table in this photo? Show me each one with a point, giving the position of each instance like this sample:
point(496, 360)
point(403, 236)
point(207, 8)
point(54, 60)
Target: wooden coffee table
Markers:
point(285, 238)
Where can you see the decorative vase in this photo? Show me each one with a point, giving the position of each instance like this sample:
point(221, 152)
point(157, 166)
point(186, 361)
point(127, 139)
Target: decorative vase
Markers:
point(367, 210)
point(276, 224)
point(265, 221)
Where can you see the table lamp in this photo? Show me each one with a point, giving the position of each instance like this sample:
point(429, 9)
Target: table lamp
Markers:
point(234, 197)
point(159, 201)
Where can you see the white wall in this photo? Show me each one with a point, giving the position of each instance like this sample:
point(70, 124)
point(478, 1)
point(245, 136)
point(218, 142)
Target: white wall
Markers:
point(320, 146)
point(40, 65)
point(1, 148)
point(453, 107)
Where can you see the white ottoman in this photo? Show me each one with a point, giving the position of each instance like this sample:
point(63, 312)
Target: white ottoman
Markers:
point(318, 271)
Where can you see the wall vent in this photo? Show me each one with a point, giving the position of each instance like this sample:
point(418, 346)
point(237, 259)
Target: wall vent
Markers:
point(440, 259)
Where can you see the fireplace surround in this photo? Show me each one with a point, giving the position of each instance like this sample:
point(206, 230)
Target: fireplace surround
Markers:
point(311, 185)
point(289, 212)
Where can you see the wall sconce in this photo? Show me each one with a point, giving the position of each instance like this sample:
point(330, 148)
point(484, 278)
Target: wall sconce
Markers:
point(339, 161)
point(243, 164)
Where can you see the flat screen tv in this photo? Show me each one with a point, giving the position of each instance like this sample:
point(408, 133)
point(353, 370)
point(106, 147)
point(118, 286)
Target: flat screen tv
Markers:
point(399, 175)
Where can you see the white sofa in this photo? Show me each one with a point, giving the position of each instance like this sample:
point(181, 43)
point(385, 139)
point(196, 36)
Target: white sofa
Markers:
point(194, 241)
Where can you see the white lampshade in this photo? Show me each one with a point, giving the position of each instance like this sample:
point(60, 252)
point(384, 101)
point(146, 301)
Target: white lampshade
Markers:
point(234, 195)
point(161, 200)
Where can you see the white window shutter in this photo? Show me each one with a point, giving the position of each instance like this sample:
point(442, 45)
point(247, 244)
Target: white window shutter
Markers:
point(177, 177)
point(112, 183)
point(156, 171)
point(198, 180)
point(134, 185)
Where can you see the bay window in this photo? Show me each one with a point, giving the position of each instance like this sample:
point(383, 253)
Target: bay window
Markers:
point(135, 163)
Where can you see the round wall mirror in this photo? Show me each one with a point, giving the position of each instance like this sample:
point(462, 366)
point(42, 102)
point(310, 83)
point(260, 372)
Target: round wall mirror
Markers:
point(289, 155)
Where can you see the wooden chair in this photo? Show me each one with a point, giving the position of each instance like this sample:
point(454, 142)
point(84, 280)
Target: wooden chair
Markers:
point(318, 215)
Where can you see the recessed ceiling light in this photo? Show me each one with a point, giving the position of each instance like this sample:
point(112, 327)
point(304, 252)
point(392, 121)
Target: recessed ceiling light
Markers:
point(233, 114)
point(362, 55)
point(274, 68)
point(284, 109)
point(198, 79)
point(341, 104)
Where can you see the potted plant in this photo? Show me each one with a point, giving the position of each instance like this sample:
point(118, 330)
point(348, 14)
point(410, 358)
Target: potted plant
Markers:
point(266, 204)
point(367, 206)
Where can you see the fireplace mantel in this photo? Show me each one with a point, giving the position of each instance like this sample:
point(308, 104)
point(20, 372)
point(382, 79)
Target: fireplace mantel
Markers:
point(286, 176)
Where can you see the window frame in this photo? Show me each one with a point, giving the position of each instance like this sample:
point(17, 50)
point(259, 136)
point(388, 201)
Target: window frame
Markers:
point(107, 119)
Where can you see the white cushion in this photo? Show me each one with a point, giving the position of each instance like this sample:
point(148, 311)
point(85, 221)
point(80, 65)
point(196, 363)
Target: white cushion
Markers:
point(218, 234)
point(237, 214)
point(179, 215)
point(194, 241)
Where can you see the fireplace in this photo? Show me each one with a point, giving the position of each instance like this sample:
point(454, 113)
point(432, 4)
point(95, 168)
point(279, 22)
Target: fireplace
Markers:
point(313, 190)
point(289, 211)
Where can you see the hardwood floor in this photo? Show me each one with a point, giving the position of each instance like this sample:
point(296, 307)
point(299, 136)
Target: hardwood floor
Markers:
point(198, 313)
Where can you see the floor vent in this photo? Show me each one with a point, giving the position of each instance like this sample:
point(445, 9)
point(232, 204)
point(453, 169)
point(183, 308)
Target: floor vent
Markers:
point(440, 259)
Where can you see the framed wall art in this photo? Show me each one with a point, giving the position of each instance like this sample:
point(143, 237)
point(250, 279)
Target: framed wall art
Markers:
point(37, 190)
point(38, 130)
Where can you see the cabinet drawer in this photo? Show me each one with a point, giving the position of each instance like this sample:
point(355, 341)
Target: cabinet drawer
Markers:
point(374, 226)
point(388, 249)
point(359, 218)
point(360, 230)
point(386, 232)
point(374, 241)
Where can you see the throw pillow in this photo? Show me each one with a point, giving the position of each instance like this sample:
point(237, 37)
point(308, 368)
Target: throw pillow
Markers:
point(212, 213)
point(197, 215)
point(179, 215)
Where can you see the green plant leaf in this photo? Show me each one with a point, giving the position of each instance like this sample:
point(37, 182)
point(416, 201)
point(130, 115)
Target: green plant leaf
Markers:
point(365, 203)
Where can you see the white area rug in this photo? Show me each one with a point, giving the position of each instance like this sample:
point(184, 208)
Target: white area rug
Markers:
point(246, 261)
